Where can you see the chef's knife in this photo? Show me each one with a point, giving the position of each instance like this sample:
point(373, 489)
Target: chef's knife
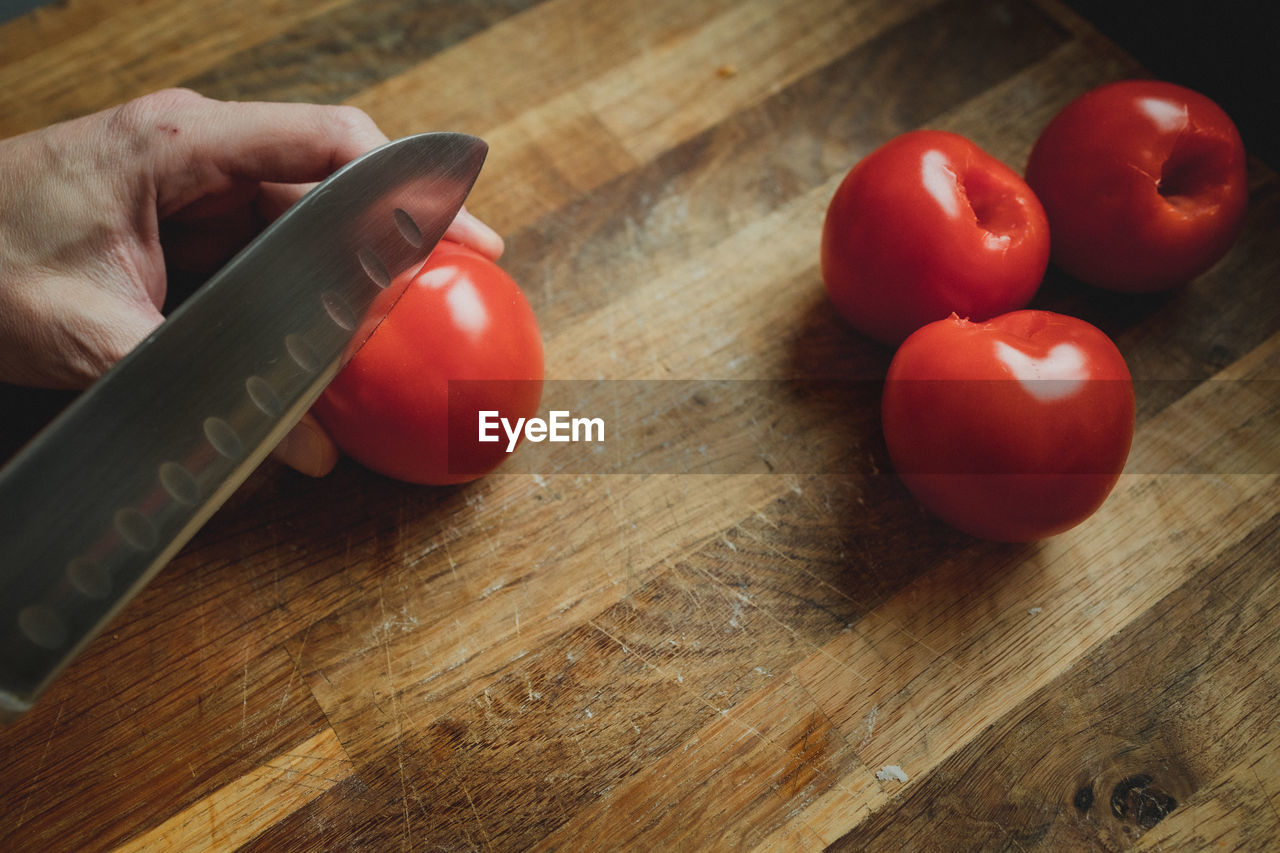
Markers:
point(106, 494)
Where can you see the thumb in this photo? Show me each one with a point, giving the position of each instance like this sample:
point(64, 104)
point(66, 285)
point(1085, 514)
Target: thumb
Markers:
point(307, 448)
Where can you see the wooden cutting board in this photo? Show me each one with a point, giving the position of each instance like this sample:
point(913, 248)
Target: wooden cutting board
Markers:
point(673, 659)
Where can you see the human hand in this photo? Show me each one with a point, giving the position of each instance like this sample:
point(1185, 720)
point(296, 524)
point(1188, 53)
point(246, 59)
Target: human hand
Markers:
point(93, 211)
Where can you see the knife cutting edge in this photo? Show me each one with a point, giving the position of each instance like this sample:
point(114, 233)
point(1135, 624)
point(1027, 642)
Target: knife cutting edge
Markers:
point(107, 494)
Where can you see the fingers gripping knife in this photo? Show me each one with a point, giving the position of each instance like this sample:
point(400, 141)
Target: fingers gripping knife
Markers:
point(101, 499)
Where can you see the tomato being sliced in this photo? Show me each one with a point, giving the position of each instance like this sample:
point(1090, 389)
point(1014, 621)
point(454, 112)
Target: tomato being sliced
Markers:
point(928, 224)
point(1014, 429)
point(461, 318)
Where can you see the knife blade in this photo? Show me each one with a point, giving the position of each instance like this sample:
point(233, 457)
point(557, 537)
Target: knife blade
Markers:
point(107, 493)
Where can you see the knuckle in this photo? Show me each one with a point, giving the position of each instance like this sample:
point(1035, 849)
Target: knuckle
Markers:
point(180, 95)
point(352, 122)
point(154, 111)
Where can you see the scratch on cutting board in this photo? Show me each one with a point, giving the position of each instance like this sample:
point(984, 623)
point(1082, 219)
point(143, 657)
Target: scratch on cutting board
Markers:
point(937, 652)
point(453, 565)
point(871, 726)
point(581, 749)
point(244, 687)
point(480, 823)
point(694, 742)
point(396, 713)
point(288, 685)
point(629, 537)
point(44, 755)
point(1274, 811)
point(738, 595)
point(204, 636)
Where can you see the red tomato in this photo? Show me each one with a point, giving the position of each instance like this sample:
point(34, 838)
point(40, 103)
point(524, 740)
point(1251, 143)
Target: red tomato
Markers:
point(1014, 429)
point(1144, 183)
point(928, 224)
point(462, 318)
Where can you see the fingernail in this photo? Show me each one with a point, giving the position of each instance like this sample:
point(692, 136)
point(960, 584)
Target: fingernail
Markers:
point(488, 241)
point(308, 450)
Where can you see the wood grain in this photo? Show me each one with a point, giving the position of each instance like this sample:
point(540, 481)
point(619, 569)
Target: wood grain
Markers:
point(360, 44)
point(594, 658)
point(155, 44)
point(240, 810)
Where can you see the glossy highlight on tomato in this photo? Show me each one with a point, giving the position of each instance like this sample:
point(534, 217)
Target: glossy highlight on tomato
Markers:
point(926, 225)
point(1144, 183)
point(1014, 429)
point(461, 318)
